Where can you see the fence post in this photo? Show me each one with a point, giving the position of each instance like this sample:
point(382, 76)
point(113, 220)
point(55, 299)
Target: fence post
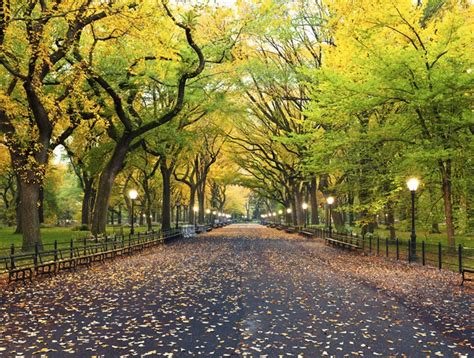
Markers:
point(370, 244)
point(386, 246)
point(71, 249)
point(423, 253)
point(36, 253)
point(55, 250)
point(378, 246)
point(397, 248)
point(85, 246)
point(439, 255)
point(460, 257)
point(12, 256)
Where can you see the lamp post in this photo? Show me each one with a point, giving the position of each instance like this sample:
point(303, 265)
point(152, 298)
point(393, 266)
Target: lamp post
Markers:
point(274, 217)
point(330, 201)
point(133, 194)
point(280, 213)
point(412, 185)
point(305, 209)
point(195, 209)
point(288, 215)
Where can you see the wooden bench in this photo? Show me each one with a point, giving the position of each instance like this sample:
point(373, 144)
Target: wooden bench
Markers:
point(344, 241)
point(23, 266)
point(463, 272)
point(306, 233)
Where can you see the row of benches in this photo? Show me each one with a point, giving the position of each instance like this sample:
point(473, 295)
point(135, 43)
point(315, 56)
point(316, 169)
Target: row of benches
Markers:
point(24, 266)
point(349, 242)
point(335, 239)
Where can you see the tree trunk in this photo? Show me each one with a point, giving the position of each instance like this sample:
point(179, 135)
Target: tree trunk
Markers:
point(314, 202)
point(140, 218)
point(445, 169)
point(350, 201)
point(166, 207)
point(337, 220)
point(41, 205)
point(29, 199)
point(148, 207)
point(201, 195)
point(192, 201)
point(391, 221)
point(106, 181)
point(18, 229)
point(300, 213)
point(87, 202)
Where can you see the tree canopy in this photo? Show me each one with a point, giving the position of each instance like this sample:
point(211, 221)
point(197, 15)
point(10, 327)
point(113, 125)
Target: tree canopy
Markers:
point(293, 101)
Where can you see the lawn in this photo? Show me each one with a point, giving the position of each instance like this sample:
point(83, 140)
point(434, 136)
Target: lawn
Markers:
point(428, 237)
point(62, 234)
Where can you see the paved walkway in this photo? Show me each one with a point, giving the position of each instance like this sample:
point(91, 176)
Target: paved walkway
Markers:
point(243, 290)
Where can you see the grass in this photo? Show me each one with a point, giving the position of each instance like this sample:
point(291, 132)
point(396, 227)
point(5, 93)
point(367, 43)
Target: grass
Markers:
point(62, 234)
point(428, 237)
point(422, 235)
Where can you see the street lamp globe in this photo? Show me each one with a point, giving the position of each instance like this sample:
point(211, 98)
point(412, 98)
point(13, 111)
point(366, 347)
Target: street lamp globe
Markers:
point(214, 212)
point(330, 200)
point(280, 212)
point(413, 184)
point(274, 214)
point(304, 206)
point(133, 194)
point(195, 209)
point(208, 211)
point(288, 211)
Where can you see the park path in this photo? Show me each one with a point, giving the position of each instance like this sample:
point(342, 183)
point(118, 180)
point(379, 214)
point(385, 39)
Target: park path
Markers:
point(243, 290)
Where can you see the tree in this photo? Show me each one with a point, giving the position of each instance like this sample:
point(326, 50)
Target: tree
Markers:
point(36, 37)
point(408, 94)
point(130, 104)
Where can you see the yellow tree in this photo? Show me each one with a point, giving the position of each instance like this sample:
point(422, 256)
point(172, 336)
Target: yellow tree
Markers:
point(36, 85)
point(401, 73)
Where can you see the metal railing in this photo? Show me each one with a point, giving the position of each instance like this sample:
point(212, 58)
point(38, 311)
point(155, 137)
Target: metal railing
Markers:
point(436, 255)
point(57, 252)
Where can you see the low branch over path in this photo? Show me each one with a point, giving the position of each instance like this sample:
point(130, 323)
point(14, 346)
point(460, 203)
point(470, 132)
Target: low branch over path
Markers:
point(242, 290)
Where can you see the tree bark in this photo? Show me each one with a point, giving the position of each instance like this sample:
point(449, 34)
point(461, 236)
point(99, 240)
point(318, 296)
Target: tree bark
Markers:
point(192, 201)
point(29, 199)
point(337, 220)
point(391, 221)
point(106, 181)
point(148, 216)
point(87, 202)
point(314, 202)
point(166, 207)
point(201, 195)
point(445, 169)
point(41, 205)
point(300, 213)
point(18, 229)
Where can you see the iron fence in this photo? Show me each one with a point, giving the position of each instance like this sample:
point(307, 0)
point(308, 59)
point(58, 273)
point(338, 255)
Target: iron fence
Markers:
point(437, 255)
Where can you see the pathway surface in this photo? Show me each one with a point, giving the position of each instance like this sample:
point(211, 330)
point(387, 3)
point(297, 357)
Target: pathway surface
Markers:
point(243, 290)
